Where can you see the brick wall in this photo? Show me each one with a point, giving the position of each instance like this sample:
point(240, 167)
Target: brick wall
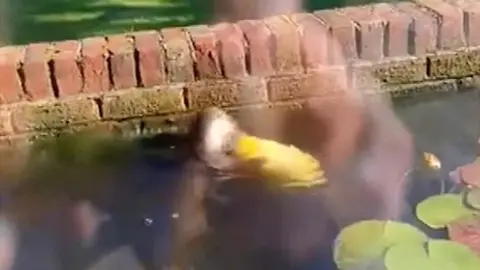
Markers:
point(153, 80)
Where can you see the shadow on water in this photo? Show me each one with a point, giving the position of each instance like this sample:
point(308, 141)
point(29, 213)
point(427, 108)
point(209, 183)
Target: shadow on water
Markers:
point(446, 125)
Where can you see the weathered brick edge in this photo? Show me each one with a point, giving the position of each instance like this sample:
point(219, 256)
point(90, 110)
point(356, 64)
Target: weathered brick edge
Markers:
point(146, 79)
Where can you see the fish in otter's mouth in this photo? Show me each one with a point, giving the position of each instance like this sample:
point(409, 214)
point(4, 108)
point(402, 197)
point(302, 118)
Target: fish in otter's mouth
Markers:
point(228, 150)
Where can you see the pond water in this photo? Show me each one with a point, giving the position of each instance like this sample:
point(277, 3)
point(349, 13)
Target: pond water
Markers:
point(445, 124)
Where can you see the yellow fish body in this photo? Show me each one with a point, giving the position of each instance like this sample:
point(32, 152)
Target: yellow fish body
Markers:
point(284, 164)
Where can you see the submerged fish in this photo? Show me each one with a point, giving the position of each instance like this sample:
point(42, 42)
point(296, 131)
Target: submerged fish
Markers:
point(431, 161)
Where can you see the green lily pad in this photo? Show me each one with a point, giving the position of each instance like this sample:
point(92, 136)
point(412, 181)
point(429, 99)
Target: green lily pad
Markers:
point(440, 210)
point(367, 240)
point(409, 256)
point(472, 198)
point(453, 254)
point(437, 255)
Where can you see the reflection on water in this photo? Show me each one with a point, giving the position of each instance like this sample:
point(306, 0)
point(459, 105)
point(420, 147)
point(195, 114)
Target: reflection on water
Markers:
point(133, 232)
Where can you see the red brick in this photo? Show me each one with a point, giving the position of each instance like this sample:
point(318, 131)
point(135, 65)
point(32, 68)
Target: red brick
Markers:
point(313, 35)
point(10, 84)
point(232, 49)
point(471, 9)
point(371, 27)
point(94, 64)
point(122, 61)
point(451, 33)
point(178, 55)
point(342, 44)
point(151, 58)
point(35, 68)
point(424, 31)
point(286, 45)
point(206, 53)
point(259, 39)
point(397, 30)
point(67, 73)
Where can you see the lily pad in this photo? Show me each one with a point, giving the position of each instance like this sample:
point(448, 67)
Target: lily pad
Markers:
point(367, 240)
point(409, 257)
point(472, 198)
point(453, 254)
point(440, 210)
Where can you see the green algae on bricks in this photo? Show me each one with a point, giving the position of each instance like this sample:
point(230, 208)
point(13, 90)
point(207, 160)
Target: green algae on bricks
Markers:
point(440, 210)
point(454, 64)
point(142, 102)
point(367, 240)
point(51, 115)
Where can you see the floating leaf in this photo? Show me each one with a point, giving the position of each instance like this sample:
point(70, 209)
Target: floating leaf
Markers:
point(397, 232)
point(437, 255)
point(472, 198)
point(367, 240)
point(466, 231)
point(409, 256)
point(431, 161)
point(453, 254)
point(439, 210)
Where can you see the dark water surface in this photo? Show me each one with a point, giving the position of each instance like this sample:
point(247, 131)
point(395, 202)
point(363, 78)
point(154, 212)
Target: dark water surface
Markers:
point(445, 124)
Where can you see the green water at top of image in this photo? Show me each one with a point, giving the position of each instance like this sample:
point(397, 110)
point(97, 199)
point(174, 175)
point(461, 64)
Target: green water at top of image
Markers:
point(49, 20)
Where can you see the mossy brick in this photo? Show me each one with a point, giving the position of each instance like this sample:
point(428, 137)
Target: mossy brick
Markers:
point(5, 122)
point(321, 82)
point(267, 120)
point(226, 93)
point(13, 141)
point(468, 82)
point(101, 128)
point(143, 102)
point(57, 114)
point(454, 64)
point(173, 123)
point(421, 88)
point(392, 71)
